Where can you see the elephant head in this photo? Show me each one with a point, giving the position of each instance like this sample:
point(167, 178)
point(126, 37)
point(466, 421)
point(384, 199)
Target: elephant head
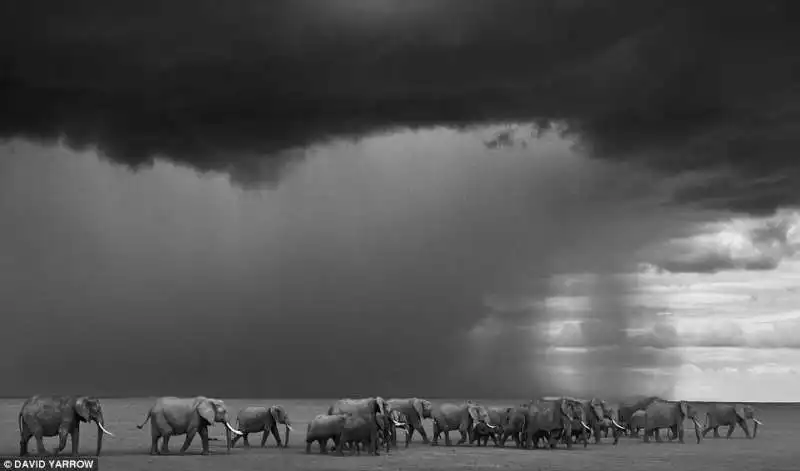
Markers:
point(573, 409)
point(399, 420)
point(423, 407)
point(745, 412)
point(478, 413)
point(688, 411)
point(214, 411)
point(88, 409)
point(380, 406)
point(279, 416)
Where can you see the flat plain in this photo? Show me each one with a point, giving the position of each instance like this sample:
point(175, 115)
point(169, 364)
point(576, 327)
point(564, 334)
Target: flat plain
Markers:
point(775, 448)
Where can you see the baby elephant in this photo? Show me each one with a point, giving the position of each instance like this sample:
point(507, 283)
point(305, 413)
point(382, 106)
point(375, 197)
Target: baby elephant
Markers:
point(322, 428)
point(264, 420)
point(359, 430)
point(482, 432)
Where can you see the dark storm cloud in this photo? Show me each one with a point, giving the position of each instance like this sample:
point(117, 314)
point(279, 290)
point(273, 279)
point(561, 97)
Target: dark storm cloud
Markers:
point(365, 272)
point(682, 84)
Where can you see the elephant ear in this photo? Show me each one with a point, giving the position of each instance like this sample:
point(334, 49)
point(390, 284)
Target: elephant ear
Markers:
point(420, 408)
point(82, 408)
point(474, 413)
point(684, 408)
point(205, 409)
point(277, 414)
point(565, 405)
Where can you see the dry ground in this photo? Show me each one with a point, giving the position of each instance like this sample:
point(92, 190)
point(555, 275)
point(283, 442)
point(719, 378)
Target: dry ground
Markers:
point(775, 448)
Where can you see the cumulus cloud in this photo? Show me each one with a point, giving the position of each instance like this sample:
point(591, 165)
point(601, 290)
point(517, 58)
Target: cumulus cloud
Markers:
point(682, 86)
point(742, 244)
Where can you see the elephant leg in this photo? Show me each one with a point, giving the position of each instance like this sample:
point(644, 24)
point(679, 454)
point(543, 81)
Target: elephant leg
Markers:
point(657, 433)
point(24, 437)
point(646, 434)
point(465, 435)
point(63, 433)
point(323, 445)
point(597, 431)
point(40, 442)
point(568, 436)
point(436, 432)
point(236, 438)
point(447, 441)
point(165, 443)
point(716, 431)
point(264, 435)
point(189, 437)
point(276, 434)
point(680, 432)
point(204, 440)
point(308, 446)
point(421, 429)
point(245, 441)
point(730, 430)
point(707, 429)
point(75, 438)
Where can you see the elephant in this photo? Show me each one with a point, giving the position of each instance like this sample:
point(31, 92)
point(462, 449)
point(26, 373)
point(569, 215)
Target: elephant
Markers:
point(515, 425)
point(670, 415)
point(597, 413)
point(50, 416)
point(322, 428)
point(636, 422)
point(364, 429)
point(483, 433)
point(448, 417)
point(628, 407)
point(730, 415)
point(366, 407)
point(255, 419)
point(186, 416)
point(415, 410)
point(555, 417)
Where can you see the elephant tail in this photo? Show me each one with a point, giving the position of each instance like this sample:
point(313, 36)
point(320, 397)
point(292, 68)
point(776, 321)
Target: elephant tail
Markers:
point(148, 418)
point(19, 422)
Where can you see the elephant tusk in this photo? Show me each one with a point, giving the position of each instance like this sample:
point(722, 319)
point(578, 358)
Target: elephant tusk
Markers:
point(289, 427)
point(585, 426)
point(617, 425)
point(398, 424)
point(233, 430)
point(758, 422)
point(104, 430)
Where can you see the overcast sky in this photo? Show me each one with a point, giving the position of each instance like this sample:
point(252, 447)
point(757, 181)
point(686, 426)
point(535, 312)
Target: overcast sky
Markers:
point(352, 198)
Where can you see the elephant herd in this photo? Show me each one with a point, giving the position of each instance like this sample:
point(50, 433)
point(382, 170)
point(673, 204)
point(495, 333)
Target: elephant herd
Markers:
point(373, 423)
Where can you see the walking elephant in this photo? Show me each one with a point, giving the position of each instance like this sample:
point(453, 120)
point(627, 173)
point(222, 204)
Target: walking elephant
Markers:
point(255, 419)
point(449, 417)
point(415, 411)
point(669, 415)
point(186, 416)
point(515, 425)
point(555, 416)
point(629, 406)
point(361, 429)
point(50, 416)
point(730, 415)
point(598, 414)
point(366, 407)
point(322, 428)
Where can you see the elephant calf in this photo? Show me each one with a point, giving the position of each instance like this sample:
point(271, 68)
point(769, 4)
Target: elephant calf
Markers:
point(359, 429)
point(323, 428)
point(482, 433)
point(265, 420)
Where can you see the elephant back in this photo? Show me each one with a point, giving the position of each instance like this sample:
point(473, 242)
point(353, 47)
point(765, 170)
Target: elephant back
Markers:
point(353, 406)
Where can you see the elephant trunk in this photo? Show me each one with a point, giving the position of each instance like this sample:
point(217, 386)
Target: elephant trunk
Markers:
point(697, 429)
point(288, 426)
point(99, 421)
point(756, 423)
